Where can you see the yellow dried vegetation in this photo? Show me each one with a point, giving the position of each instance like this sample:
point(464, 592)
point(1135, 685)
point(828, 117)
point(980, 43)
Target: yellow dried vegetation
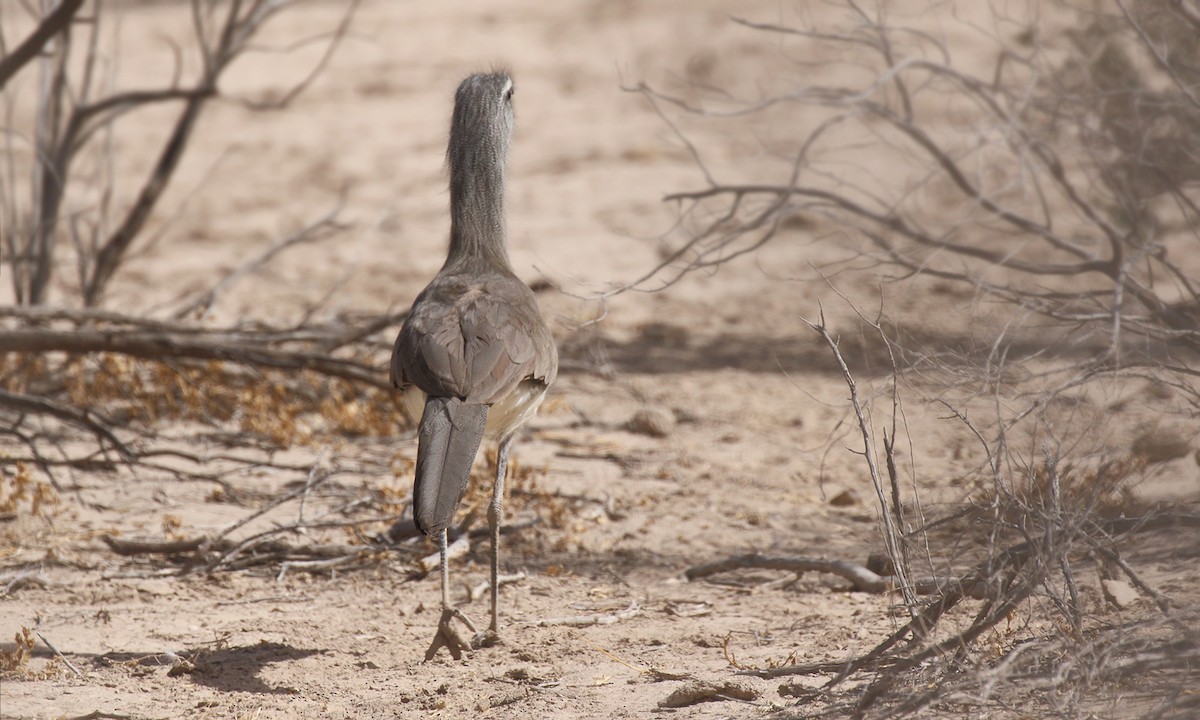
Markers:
point(1104, 488)
point(21, 494)
point(14, 661)
point(283, 407)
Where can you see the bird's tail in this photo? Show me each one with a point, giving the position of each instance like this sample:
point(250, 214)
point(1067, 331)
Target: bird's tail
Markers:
point(448, 439)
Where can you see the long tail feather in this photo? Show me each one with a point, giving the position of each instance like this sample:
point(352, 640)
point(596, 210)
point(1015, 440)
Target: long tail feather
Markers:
point(449, 437)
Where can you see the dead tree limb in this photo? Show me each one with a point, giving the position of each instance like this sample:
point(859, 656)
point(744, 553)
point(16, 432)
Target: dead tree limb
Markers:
point(158, 345)
point(73, 112)
point(30, 47)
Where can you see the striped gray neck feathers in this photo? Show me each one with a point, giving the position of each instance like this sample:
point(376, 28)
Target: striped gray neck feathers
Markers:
point(480, 133)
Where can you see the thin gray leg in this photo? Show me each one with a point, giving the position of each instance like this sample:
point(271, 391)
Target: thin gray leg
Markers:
point(445, 570)
point(495, 517)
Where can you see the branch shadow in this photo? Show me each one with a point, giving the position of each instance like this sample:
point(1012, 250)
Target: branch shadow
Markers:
point(236, 669)
point(230, 669)
point(663, 347)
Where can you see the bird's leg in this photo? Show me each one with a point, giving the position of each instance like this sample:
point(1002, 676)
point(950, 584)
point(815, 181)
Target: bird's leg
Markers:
point(447, 636)
point(495, 518)
point(445, 567)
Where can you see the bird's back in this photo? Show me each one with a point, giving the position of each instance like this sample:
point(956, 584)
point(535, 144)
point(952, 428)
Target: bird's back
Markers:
point(479, 337)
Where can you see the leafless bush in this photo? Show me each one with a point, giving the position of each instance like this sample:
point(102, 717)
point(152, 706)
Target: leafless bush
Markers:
point(64, 198)
point(67, 151)
point(1025, 560)
point(1061, 180)
point(1060, 184)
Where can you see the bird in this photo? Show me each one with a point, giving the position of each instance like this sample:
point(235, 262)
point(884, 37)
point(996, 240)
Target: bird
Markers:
point(474, 355)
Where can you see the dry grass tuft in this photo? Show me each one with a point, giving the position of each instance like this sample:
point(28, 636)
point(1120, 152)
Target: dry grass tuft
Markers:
point(14, 661)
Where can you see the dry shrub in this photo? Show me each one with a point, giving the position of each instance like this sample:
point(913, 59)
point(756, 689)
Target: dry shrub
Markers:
point(19, 493)
point(14, 662)
point(1104, 489)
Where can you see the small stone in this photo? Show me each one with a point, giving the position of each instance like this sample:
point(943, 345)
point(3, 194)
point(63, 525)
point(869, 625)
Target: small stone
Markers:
point(881, 564)
point(1120, 593)
point(708, 691)
point(652, 421)
point(845, 498)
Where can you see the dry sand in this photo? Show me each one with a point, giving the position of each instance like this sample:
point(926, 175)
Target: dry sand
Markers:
point(758, 450)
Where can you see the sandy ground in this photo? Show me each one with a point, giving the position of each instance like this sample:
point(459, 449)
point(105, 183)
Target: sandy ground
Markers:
point(756, 456)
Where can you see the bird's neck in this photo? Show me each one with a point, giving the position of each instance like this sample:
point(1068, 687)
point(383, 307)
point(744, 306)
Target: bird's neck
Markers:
point(477, 224)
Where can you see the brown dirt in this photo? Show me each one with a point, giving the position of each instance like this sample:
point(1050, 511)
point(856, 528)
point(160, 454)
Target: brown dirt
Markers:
point(757, 452)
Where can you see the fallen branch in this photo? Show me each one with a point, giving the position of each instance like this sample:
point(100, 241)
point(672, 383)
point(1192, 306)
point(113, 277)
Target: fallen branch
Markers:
point(1003, 581)
point(132, 548)
point(56, 651)
point(863, 579)
point(161, 344)
point(633, 610)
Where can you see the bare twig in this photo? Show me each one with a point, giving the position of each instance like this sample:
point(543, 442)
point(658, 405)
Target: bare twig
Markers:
point(319, 229)
point(70, 665)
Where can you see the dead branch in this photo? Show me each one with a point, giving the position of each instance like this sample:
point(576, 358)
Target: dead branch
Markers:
point(997, 579)
point(161, 344)
point(72, 115)
point(70, 665)
point(1064, 161)
point(891, 531)
point(316, 565)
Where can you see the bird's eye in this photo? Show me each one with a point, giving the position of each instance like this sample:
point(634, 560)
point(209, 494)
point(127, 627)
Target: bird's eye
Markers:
point(511, 90)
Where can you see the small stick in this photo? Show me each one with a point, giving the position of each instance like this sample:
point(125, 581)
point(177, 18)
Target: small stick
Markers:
point(633, 610)
point(59, 654)
point(311, 565)
point(153, 547)
point(863, 579)
point(477, 592)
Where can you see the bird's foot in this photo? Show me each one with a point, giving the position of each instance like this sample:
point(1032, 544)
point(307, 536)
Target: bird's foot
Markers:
point(486, 638)
point(449, 637)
